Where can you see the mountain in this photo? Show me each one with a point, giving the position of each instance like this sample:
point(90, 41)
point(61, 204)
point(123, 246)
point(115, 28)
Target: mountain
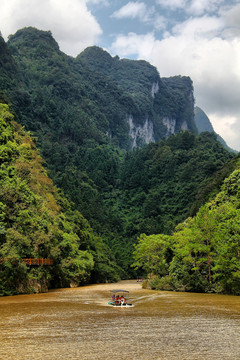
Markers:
point(9, 72)
point(118, 101)
point(203, 124)
point(117, 139)
point(202, 121)
point(160, 107)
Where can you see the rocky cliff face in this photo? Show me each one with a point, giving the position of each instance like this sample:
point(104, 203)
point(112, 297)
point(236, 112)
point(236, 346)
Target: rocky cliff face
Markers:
point(122, 100)
point(160, 106)
point(140, 134)
point(155, 89)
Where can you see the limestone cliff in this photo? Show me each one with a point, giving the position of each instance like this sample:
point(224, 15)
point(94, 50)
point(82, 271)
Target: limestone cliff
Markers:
point(140, 134)
point(158, 107)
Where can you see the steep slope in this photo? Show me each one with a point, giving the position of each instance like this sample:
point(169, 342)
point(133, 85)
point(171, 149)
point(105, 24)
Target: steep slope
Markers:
point(36, 221)
point(203, 124)
point(213, 185)
point(162, 106)
point(161, 181)
point(202, 255)
point(9, 73)
point(202, 121)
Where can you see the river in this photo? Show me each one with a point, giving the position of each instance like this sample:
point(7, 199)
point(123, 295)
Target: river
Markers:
point(79, 324)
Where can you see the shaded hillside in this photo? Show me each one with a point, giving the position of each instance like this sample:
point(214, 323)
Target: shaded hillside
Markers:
point(213, 184)
point(9, 74)
point(161, 181)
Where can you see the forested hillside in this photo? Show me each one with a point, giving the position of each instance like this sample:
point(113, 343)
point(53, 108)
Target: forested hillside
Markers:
point(36, 221)
point(166, 103)
point(203, 254)
point(121, 147)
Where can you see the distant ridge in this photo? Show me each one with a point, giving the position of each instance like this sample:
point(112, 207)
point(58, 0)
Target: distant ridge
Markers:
point(204, 124)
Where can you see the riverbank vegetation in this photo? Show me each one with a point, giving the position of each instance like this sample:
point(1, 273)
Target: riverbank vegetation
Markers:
point(203, 253)
point(37, 221)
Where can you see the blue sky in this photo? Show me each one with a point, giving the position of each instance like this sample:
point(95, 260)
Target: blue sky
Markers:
point(198, 38)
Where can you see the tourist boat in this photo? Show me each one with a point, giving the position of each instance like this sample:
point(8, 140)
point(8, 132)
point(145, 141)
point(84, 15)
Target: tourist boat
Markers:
point(119, 298)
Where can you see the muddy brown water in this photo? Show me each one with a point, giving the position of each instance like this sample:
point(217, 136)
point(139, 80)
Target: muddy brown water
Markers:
point(79, 324)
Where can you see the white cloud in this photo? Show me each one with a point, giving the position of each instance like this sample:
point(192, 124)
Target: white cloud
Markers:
point(194, 7)
point(199, 7)
point(101, 2)
point(131, 9)
point(233, 16)
point(228, 127)
point(71, 23)
point(159, 22)
point(173, 4)
point(199, 27)
point(232, 21)
point(132, 44)
point(134, 10)
point(140, 11)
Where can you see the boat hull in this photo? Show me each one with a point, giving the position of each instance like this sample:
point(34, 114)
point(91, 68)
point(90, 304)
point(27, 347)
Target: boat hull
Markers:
point(120, 305)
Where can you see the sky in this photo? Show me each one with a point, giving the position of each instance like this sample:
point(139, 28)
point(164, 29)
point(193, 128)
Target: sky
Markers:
point(196, 38)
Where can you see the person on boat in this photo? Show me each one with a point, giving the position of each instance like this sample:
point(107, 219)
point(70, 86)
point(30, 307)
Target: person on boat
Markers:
point(117, 300)
point(123, 300)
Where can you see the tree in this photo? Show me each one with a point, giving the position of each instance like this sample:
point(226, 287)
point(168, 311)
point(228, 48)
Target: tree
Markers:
point(152, 254)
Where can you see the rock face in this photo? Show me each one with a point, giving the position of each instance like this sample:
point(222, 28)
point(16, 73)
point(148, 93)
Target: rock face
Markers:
point(122, 100)
point(170, 125)
point(155, 89)
point(159, 106)
point(140, 134)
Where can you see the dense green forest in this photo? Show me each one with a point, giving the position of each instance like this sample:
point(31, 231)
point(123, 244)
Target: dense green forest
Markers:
point(36, 221)
point(103, 194)
point(203, 253)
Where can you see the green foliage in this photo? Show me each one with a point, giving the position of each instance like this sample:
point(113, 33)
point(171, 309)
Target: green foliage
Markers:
point(211, 187)
point(160, 181)
point(32, 224)
point(206, 248)
point(152, 254)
